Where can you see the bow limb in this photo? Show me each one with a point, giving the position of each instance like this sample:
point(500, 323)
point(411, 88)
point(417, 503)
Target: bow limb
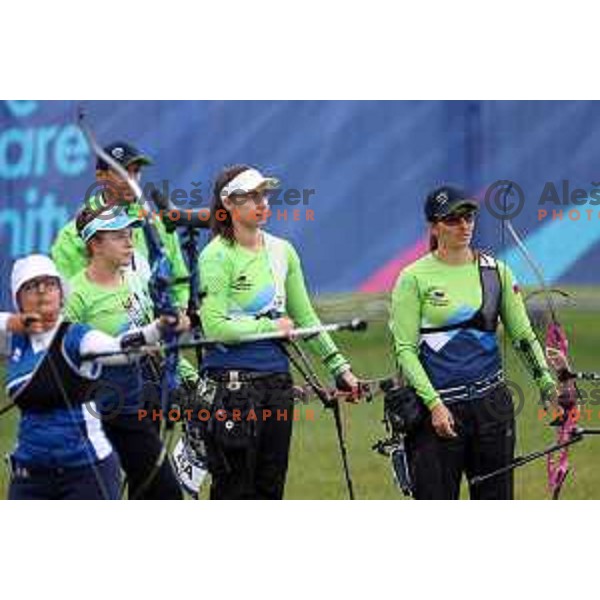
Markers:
point(160, 281)
point(556, 350)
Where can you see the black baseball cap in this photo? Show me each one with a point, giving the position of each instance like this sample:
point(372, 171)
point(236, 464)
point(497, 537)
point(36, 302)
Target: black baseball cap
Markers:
point(125, 154)
point(446, 200)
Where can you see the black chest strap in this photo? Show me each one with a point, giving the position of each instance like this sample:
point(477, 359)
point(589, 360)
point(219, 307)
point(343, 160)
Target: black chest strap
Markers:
point(54, 377)
point(487, 316)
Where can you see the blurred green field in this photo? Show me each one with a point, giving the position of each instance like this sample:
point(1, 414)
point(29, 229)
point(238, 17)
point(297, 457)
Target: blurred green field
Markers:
point(315, 469)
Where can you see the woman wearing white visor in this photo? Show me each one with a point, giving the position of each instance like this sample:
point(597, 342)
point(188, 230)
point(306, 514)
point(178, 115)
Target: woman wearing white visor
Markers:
point(61, 451)
point(253, 283)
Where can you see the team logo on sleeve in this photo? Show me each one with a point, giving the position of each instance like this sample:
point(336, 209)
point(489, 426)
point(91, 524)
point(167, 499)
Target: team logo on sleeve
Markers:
point(436, 296)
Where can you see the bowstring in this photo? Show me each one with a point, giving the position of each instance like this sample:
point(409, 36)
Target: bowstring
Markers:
point(71, 411)
point(134, 285)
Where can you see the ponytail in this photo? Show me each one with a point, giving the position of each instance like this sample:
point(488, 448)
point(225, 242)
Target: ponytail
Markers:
point(433, 241)
point(221, 221)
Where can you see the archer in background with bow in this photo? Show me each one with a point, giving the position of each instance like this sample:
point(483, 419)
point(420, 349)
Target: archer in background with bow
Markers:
point(446, 308)
point(253, 284)
point(112, 298)
point(62, 452)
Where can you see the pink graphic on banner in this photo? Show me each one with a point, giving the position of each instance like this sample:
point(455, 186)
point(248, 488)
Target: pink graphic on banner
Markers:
point(384, 278)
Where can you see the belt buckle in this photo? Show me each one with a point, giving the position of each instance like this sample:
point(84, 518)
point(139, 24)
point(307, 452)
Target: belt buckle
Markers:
point(234, 383)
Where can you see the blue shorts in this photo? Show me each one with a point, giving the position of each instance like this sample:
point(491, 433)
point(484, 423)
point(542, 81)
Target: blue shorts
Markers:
point(100, 482)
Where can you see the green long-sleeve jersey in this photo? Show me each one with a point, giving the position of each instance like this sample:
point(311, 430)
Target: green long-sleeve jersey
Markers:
point(240, 286)
point(432, 294)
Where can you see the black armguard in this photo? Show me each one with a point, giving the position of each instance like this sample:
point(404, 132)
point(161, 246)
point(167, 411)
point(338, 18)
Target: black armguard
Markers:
point(526, 350)
point(132, 340)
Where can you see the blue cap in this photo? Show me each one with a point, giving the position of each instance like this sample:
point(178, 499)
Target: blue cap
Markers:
point(125, 154)
point(104, 223)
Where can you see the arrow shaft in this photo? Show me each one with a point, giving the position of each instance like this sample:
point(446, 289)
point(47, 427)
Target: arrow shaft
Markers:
point(300, 333)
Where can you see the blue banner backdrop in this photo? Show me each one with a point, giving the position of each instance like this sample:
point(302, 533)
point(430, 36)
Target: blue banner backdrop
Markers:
point(362, 168)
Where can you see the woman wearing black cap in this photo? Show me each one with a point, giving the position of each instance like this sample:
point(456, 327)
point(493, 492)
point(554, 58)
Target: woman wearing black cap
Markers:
point(445, 310)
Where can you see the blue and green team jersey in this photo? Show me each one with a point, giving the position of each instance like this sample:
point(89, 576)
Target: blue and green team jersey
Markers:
point(432, 294)
point(240, 287)
point(61, 437)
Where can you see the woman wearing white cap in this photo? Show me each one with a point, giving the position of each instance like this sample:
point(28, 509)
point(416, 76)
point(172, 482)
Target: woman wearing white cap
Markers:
point(61, 451)
point(112, 299)
point(253, 283)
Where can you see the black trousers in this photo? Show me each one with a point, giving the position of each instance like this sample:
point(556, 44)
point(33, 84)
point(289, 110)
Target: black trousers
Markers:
point(485, 442)
point(247, 457)
point(139, 447)
point(100, 482)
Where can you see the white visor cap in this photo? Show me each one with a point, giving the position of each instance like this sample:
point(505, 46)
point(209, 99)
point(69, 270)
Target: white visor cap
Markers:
point(248, 181)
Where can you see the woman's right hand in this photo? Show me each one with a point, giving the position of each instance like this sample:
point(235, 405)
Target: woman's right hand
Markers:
point(25, 323)
point(442, 421)
point(285, 325)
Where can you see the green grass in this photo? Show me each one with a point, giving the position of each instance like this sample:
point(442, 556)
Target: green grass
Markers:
point(315, 469)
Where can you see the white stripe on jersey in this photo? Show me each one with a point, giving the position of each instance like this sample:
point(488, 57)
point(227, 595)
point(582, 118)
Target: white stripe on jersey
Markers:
point(94, 431)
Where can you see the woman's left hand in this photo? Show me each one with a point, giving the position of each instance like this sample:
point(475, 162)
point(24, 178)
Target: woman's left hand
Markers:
point(557, 360)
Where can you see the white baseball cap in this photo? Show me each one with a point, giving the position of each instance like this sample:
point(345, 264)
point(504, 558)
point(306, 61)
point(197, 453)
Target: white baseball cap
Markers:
point(30, 267)
point(248, 181)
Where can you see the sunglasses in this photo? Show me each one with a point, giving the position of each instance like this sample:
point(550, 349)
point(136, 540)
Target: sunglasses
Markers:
point(256, 197)
point(454, 220)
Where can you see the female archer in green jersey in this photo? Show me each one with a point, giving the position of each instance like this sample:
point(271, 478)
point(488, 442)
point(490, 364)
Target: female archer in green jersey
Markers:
point(253, 283)
point(445, 310)
point(111, 297)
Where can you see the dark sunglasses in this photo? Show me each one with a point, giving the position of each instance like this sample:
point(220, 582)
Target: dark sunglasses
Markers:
point(256, 197)
point(454, 220)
